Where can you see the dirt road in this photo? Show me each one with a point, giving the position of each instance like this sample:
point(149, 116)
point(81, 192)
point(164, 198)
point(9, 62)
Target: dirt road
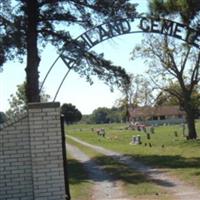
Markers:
point(104, 187)
point(178, 189)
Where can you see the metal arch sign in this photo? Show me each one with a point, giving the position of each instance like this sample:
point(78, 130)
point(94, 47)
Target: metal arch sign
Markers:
point(119, 27)
point(72, 52)
point(142, 24)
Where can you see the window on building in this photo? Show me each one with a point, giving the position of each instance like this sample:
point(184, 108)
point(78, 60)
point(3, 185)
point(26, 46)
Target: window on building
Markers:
point(162, 117)
point(155, 118)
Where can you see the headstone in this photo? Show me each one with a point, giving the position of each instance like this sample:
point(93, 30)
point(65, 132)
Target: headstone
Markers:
point(136, 139)
point(139, 139)
point(152, 129)
point(183, 126)
point(133, 139)
point(148, 136)
point(175, 134)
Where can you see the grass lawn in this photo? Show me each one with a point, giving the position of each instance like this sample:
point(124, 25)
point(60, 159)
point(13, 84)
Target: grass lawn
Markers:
point(171, 153)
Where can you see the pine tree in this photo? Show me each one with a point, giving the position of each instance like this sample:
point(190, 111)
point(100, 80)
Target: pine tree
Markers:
point(27, 26)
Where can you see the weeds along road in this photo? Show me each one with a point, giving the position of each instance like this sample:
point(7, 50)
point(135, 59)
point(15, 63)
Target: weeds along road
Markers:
point(178, 189)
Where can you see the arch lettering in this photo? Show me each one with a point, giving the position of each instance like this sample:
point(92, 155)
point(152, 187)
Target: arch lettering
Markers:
point(119, 27)
point(73, 52)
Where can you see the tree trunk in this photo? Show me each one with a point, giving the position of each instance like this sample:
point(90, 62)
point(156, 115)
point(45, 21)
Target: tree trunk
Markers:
point(190, 117)
point(33, 60)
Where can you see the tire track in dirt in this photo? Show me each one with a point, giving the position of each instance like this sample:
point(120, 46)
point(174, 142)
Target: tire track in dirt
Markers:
point(179, 189)
point(105, 187)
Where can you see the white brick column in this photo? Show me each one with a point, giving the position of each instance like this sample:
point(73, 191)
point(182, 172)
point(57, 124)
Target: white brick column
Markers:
point(46, 151)
point(15, 160)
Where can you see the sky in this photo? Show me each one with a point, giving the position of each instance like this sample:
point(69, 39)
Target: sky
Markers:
point(75, 89)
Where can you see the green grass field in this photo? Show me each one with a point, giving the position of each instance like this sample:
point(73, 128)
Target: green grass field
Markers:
point(173, 154)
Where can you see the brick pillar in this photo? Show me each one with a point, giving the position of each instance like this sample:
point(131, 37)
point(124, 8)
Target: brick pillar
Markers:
point(46, 151)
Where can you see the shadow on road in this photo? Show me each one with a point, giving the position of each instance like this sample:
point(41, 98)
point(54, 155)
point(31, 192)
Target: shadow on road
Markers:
point(120, 171)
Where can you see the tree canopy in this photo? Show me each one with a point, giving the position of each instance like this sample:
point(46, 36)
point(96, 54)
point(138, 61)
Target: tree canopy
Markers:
point(71, 113)
point(100, 115)
point(2, 117)
point(26, 27)
point(138, 92)
point(188, 12)
point(103, 115)
point(186, 9)
point(18, 101)
point(166, 98)
point(171, 62)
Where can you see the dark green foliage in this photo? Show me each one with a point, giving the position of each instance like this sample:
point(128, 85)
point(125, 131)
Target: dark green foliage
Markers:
point(104, 115)
point(26, 27)
point(167, 98)
point(71, 113)
point(18, 101)
point(2, 117)
point(186, 9)
point(116, 115)
point(100, 116)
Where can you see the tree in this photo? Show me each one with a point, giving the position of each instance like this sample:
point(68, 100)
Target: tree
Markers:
point(2, 117)
point(27, 26)
point(100, 115)
point(107, 115)
point(166, 98)
point(71, 113)
point(18, 101)
point(170, 63)
point(138, 92)
point(188, 12)
point(186, 9)
point(115, 115)
point(104, 115)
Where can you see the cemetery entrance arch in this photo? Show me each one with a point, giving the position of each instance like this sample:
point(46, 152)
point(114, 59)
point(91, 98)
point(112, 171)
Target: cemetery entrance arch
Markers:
point(73, 51)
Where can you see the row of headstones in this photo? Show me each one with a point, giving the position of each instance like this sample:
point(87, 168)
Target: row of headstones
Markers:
point(136, 139)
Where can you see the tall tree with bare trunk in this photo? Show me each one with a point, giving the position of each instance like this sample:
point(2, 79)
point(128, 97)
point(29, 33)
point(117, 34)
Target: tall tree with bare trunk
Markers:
point(173, 63)
point(26, 27)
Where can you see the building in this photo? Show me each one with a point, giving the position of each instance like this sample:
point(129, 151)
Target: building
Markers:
point(157, 115)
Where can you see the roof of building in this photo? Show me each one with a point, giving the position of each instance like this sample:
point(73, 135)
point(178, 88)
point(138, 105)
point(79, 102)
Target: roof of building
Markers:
point(148, 111)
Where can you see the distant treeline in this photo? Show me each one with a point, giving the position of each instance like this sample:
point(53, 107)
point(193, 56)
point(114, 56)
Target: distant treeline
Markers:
point(104, 115)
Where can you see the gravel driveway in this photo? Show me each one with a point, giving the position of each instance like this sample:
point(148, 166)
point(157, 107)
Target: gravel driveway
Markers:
point(104, 187)
point(178, 189)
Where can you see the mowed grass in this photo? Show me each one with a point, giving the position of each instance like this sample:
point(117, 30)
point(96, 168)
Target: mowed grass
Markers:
point(174, 154)
point(135, 184)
